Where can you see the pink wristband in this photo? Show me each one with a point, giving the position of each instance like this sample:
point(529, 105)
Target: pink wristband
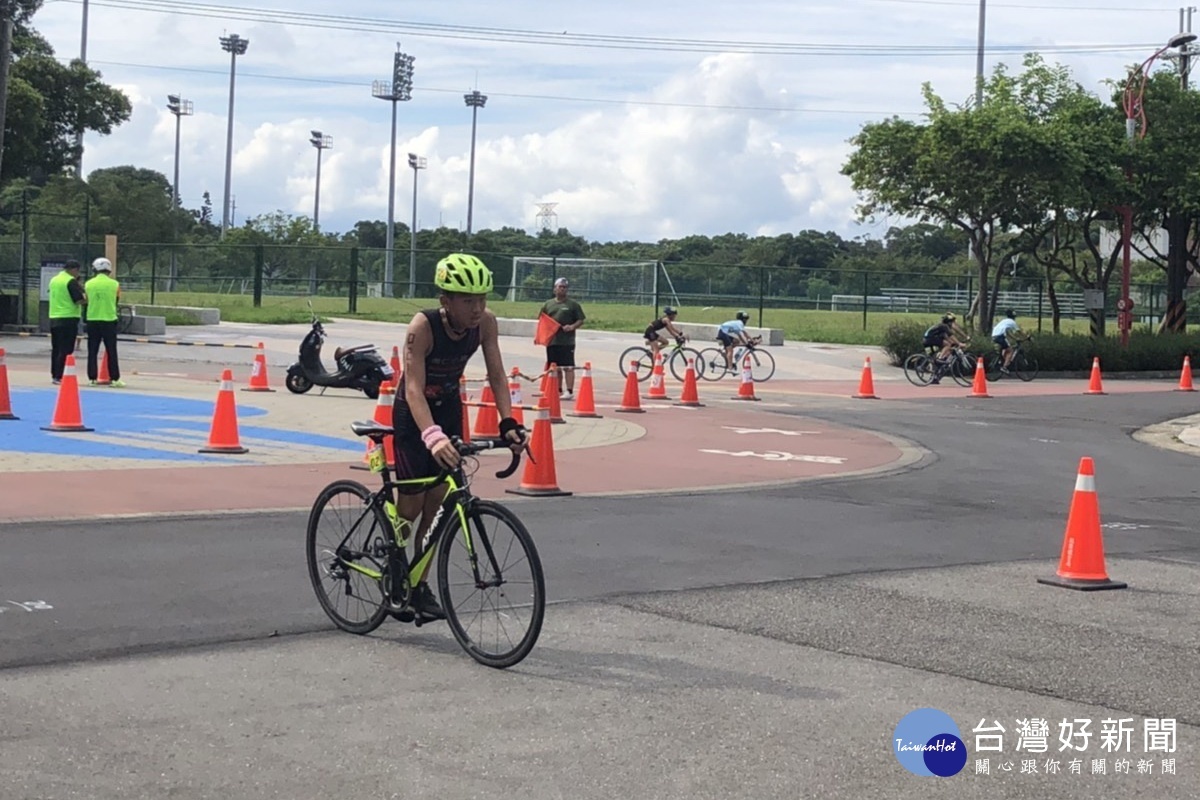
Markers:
point(432, 435)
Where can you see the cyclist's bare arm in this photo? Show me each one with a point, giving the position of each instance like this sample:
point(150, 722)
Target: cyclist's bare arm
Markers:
point(417, 346)
point(674, 331)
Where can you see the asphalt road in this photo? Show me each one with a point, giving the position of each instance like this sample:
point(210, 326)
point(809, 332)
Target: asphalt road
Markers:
point(741, 644)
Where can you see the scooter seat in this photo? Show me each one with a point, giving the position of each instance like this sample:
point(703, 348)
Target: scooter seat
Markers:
point(343, 351)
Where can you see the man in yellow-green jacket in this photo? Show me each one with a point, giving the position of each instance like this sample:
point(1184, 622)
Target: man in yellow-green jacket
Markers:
point(66, 300)
point(103, 292)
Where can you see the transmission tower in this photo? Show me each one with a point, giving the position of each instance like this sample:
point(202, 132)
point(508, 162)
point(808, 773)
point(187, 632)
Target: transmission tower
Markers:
point(547, 220)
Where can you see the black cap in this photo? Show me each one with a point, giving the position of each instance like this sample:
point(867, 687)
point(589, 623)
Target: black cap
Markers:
point(71, 264)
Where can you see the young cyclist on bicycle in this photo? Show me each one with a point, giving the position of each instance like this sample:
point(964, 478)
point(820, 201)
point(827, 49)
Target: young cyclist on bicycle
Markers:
point(1006, 332)
point(654, 339)
point(944, 337)
point(733, 333)
point(428, 410)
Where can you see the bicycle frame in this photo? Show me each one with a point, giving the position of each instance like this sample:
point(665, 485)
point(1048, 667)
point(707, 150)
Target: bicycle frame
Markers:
point(456, 501)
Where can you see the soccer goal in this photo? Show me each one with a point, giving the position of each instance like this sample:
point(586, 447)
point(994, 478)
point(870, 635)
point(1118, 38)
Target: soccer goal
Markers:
point(599, 279)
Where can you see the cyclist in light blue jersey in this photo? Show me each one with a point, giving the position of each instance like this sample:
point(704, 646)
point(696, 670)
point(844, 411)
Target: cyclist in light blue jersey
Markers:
point(731, 334)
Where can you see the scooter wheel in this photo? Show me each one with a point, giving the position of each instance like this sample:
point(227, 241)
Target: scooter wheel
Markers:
point(297, 384)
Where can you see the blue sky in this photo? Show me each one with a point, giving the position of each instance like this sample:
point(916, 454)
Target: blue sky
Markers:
point(707, 129)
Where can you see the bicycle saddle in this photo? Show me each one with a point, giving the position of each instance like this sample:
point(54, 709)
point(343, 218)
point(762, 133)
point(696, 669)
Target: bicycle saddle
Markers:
point(371, 428)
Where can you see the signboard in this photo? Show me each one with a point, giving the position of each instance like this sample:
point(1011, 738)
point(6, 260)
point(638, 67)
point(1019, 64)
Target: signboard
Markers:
point(1093, 299)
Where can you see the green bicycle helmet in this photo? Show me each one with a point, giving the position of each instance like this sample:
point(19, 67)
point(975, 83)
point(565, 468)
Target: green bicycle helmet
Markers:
point(464, 274)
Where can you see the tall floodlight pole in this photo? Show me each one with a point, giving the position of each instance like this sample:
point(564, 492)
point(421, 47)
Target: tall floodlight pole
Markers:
point(1135, 113)
point(235, 46)
point(321, 142)
point(979, 54)
point(180, 108)
point(475, 101)
point(79, 125)
point(398, 90)
point(417, 163)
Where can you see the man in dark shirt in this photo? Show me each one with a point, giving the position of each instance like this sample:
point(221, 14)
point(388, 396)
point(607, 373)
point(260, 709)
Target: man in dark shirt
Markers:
point(66, 302)
point(569, 315)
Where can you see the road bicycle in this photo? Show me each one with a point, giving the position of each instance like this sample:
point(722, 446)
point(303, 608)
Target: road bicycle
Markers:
point(1023, 365)
point(920, 368)
point(762, 363)
point(125, 316)
point(640, 359)
point(489, 575)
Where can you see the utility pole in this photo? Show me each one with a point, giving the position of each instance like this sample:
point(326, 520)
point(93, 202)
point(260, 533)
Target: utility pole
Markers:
point(979, 54)
point(1178, 223)
point(6, 29)
point(79, 125)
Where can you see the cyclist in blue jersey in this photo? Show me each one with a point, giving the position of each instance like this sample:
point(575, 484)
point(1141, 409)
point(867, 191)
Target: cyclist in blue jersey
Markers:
point(732, 334)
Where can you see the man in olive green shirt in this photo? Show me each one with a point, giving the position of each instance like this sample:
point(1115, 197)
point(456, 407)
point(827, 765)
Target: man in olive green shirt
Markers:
point(561, 349)
point(66, 298)
point(103, 292)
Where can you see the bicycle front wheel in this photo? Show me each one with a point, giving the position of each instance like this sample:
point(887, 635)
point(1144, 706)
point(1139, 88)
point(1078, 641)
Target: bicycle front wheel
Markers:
point(491, 584)
point(918, 369)
point(640, 360)
point(343, 570)
point(714, 363)
point(962, 369)
point(679, 362)
point(992, 364)
point(1026, 367)
point(762, 365)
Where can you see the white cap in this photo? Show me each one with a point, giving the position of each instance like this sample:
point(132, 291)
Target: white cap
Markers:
point(562, 282)
point(102, 265)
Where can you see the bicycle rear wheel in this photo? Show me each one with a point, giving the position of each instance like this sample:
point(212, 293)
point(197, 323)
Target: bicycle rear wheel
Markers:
point(640, 360)
point(714, 363)
point(991, 365)
point(353, 599)
point(1025, 367)
point(918, 369)
point(679, 362)
point(491, 584)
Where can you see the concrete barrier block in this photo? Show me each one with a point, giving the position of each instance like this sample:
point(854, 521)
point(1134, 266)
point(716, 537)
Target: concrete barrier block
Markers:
point(198, 316)
point(147, 326)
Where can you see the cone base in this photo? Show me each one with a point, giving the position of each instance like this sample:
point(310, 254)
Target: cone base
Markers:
point(630, 410)
point(256, 389)
point(865, 397)
point(739, 397)
point(689, 404)
point(104, 383)
point(1185, 390)
point(984, 395)
point(9, 416)
point(67, 428)
point(532, 492)
point(656, 397)
point(1082, 585)
point(1095, 391)
point(233, 448)
point(583, 415)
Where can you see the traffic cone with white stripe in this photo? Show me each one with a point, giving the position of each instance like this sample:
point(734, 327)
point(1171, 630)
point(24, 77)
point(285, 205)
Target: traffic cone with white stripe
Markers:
point(746, 389)
point(384, 406)
point(223, 434)
point(258, 373)
point(585, 401)
point(1081, 565)
point(487, 418)
point(514, 396)
point(658, 380)
point(68, 416)
point(691, 394)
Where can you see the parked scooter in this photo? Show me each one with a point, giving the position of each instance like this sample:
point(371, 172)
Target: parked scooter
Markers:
point(359, 367)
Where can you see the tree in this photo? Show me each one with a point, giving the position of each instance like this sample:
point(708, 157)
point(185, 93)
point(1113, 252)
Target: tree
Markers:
point(48, 102)
point(983, 170)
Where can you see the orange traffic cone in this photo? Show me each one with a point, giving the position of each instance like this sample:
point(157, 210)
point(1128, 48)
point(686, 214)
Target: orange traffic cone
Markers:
point(691, 395)
point(551, 393)
point(658, 380)
point(1094, 386)
point(1185, 377)
point(545, 381)
point(258, 373)
point(979, 386)
point(487, 419)
point(223, 435)
point(396, 366)
point(463, 397)
point(1081, 565)
point(630, 404)
point(68, 416)
point(585, 401)
point(103, 378)
point(514, 396)
point(6, 411)
point(746, 389)
point(540, 479)
point(866, 384)
point(384, 405)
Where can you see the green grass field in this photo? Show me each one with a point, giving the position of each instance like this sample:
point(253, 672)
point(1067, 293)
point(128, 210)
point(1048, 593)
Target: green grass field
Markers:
point(838, 327)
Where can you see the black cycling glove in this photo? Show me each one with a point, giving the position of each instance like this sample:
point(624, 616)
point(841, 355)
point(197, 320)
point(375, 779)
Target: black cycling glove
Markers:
point(509, 424)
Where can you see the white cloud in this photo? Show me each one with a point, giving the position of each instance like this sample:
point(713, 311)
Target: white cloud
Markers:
point(632, 144)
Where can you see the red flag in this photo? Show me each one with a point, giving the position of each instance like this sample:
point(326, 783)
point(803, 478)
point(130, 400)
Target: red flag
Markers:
point(547, 329)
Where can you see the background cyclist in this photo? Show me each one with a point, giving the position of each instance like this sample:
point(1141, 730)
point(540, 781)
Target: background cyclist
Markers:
point(733, 333)
point(428, 410)
point(1006, 332)
point(943, 337)
point(655, 340)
